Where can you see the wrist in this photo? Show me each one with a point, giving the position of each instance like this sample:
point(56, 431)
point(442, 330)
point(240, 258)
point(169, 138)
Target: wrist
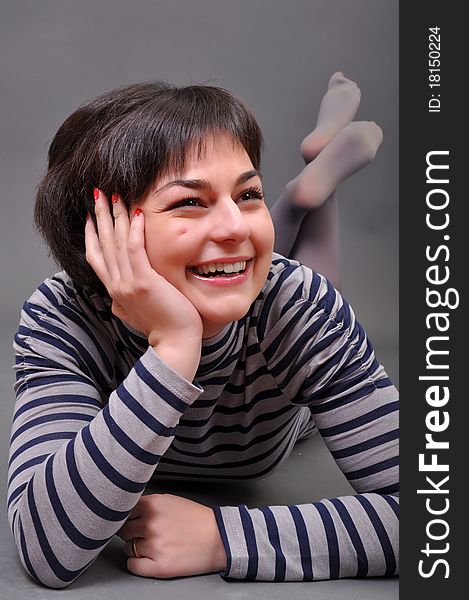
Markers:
point(219, 558)
point(191, 336)
point(182, 354)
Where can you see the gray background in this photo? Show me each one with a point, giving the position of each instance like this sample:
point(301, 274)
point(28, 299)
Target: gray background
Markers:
point(278, 57)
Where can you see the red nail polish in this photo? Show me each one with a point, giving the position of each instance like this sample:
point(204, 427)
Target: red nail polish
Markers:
point(138, 212)
point(114, 198)
point(95, 193)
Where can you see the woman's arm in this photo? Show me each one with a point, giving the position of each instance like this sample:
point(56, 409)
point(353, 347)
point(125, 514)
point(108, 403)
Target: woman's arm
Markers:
point(322, 358)
point(77, 469)
point(351, 536)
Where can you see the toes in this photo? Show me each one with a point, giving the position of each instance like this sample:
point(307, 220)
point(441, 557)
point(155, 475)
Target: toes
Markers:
point(338, 78)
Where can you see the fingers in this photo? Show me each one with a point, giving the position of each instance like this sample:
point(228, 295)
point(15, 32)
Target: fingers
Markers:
point(137, 253)
point(145, 567)
point(116, 251)
point(94, 256)
point(132, 529)
point(121, 236)
point(140, 546)
point(137, 510)
point(106, 234)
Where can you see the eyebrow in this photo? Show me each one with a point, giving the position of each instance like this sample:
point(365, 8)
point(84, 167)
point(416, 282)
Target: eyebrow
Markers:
point(203, 184)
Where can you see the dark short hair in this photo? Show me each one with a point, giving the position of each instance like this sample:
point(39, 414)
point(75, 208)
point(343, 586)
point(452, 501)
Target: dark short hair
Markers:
point(123, 141)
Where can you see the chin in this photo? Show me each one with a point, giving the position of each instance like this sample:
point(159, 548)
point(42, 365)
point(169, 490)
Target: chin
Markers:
point(226, 317)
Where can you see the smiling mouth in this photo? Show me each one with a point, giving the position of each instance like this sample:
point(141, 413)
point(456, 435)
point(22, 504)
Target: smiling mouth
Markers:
point(220, 273)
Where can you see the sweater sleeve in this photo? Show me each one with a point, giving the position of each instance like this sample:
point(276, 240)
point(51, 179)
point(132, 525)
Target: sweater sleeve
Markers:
point(324, 359)
point(76, 468)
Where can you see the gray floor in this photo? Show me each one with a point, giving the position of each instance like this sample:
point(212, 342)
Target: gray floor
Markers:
point(309, 474)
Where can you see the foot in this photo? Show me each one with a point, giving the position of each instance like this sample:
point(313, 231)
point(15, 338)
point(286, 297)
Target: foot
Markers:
point(338, 108)
point(350, 150)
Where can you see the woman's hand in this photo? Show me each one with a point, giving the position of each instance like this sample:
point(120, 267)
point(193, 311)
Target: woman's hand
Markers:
point(140, 296)
point(176, 537)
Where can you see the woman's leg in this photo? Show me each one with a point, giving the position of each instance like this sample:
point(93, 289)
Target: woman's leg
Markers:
point(317, 243)
point(306, 214)
point(338, 108)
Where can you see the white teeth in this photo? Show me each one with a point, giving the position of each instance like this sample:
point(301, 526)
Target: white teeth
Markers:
point(225, 267)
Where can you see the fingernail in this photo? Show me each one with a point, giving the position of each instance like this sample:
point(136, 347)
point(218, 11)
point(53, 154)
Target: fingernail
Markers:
point(137, 212)
point(95, 193)
point(114, 198)
point(88, 216)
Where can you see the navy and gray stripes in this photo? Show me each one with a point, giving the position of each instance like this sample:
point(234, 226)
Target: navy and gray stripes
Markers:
point(98, 415)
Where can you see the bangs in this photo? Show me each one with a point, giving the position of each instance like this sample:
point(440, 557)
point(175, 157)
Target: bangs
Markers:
point(182, 154)
point(162, 136)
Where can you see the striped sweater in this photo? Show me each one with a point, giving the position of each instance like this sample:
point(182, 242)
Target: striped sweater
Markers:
point(99, 414)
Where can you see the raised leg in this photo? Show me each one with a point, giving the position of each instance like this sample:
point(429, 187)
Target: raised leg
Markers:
point(338, 108)
point(306, 214)
point(317, 244)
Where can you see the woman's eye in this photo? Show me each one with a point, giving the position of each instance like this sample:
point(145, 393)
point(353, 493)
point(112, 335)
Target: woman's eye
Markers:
point(190, 202)
point(252, 194)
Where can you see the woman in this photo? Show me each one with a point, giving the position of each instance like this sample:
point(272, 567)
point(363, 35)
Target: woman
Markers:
point(176, 344)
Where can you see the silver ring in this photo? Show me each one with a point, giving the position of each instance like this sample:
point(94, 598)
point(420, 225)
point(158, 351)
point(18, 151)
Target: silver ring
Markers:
point(135, 552)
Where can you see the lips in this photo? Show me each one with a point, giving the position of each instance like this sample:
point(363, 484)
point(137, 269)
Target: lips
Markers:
point(214, 269)
point(221, 266)
point(223, 279)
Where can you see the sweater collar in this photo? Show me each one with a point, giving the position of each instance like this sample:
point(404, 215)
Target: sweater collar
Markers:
point(218, 352)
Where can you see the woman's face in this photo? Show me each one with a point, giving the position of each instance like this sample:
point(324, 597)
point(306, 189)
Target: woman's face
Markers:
point(214, 213)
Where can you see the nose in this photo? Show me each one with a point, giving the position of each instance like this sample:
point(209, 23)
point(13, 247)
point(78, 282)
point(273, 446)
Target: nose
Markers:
point(228, 222)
